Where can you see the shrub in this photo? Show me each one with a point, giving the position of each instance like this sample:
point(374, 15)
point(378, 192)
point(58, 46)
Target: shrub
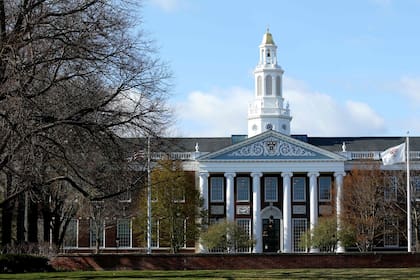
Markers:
point(19, 263)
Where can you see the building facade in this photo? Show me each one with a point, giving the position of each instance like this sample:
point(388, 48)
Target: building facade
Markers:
point(273, 184)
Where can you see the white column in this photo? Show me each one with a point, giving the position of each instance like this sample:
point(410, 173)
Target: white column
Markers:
point(204, 193)
point(313, 203)
point(287, 212)
point(204, 189)
point(256, 212)
point(339, 193)
point(230, 196)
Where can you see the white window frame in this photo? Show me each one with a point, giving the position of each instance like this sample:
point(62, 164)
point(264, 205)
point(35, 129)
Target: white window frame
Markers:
point(244, 224)
point(320, 186)
point(294, 189)
point(125, 197)
point(222, 186)
point(415, 181)
point(213, 221)
point(72, 231)
point(297, 231)
point(276, 189)
point(245, 186)
point(92, 235)
point(123, 233)
point(391, 229)
point(155, 229)
point(391, 188)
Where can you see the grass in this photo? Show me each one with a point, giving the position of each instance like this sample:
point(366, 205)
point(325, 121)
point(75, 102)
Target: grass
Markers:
point(368, 273)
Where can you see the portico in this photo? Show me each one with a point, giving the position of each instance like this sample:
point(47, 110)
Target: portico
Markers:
point(271, 181)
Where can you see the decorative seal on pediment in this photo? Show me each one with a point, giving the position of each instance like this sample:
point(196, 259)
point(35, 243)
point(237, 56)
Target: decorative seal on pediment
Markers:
point(272, 147)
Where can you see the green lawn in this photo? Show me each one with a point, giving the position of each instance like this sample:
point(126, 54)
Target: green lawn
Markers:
point(401, 273)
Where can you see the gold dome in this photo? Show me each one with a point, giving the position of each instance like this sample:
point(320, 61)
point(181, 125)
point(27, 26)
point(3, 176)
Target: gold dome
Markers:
point(268, 38)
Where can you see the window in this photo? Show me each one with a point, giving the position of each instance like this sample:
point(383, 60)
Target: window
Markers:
point(125, 197)
point(299, 227)
point(220, 249)
point(268, 85)
point(259, 85)
point(179, 196)
point(415, 181)
point(155, 233)
point(242, 188)
point(324, 188)
point(96, 227)
point(245, 225)
point(391, 232)
point(391, 188)
point(270, 189)
point(217, 189)
point(70, 238)
point(124, 233)
point(299, 189)
point(278, 86)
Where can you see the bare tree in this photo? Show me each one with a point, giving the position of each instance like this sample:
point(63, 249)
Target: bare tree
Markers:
point(399, 206)
point(72, 78)
point(365, 206)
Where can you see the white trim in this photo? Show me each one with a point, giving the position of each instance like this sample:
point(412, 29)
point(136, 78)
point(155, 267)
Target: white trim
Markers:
point(332, 156)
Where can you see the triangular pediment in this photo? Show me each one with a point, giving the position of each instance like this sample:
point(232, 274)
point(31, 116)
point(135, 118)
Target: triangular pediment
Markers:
point(272, 145)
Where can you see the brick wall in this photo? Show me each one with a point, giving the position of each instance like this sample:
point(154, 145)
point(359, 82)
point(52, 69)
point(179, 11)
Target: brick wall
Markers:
point(231, 261)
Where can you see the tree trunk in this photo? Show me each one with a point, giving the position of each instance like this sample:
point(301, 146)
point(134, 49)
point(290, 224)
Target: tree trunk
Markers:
point(33, 222)
point(7, 214)
point(20, 220)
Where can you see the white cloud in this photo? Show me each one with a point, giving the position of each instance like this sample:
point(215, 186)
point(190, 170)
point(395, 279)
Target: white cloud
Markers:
point(410, 86)
point(319, 114)
point(168, 5)
point(222, 112)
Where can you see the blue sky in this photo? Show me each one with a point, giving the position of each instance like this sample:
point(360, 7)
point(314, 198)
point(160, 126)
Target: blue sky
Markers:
point(352, 68)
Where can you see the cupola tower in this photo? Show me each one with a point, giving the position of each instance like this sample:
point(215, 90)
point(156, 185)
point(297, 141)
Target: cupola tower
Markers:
point(268, 111)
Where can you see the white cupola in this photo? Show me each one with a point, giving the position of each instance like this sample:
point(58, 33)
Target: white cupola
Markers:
point(267, 111)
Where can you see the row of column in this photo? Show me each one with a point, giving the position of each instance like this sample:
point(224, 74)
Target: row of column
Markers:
point(287, 204)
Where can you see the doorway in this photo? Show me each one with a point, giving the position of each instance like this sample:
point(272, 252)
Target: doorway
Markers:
point(272, 228)
point(271, 235)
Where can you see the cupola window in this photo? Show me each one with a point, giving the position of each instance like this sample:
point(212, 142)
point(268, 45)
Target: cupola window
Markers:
point(278, 86)
point(259, 85)
point(268, 85)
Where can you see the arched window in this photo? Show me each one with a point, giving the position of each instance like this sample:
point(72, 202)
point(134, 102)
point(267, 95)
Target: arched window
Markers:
point(268, 85)
point(278, 86)
point(259, 85)
point(268, 57)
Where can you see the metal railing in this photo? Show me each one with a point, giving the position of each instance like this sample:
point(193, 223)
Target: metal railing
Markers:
point(375, 155)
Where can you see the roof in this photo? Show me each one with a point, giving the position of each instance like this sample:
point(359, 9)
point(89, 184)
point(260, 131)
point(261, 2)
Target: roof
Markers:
point(356, 144)
point(213, 144)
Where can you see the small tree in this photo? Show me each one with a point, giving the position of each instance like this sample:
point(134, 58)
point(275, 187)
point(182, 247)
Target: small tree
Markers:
point(325, 236)
point(227, 236)
point(175, 207)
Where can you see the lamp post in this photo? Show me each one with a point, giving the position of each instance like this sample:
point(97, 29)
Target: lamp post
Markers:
point(149, 201)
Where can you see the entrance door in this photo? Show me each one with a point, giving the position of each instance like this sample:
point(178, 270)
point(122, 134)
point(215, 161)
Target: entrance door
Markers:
point(271, 235)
